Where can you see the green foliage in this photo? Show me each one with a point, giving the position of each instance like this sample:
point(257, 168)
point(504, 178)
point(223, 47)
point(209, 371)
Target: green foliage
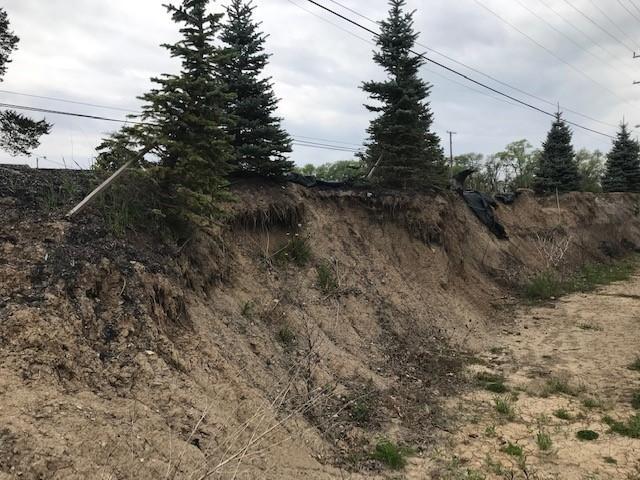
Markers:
point(390, 454)
point(496, 387)
point(492, 382)
point(361, 411)
point(286, 336)
point(622, 173)
point(544, 442)
point(551, 284)
point(591, 169)
point(19, 135)
point(400, 137)
point(296, 250)
point(504, 406)
point(116, 150)
point(519, 162)
point(338, 171)
point(587, 435)
point(557, 167)
point(259, 141)
point(327, 280)
point(630, 428)
point(562, 414)
point(591, 402)
point(513, 450)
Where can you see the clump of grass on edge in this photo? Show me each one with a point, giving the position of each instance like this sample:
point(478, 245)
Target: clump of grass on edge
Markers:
point(543, 440)
point(504, 406)
point(327, 280)
point(390, 454)
point(586, 435)
point(630, 428)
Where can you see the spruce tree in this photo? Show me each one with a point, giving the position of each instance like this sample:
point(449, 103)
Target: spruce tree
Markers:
point(19, 134)
point(260, 143)
point(557, 168)
point(182, 117)
point(622, 170)
point(400, 137)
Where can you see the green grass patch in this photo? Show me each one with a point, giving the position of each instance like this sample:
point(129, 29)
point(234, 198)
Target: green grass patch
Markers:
point(591, 402)
point(297, 251)
point(544, 442)
point(496, 387)
point(559, 385)
point(390, 454)
point(504, 406)
point(587, 435)
point(562, 414)
point(327, 280)
point(513, 450)
point(629, 428)
point(552, 284)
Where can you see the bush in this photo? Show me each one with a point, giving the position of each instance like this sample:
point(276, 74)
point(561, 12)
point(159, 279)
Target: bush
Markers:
point(562, 414)
point(544, 442)
point(587, 435)
point(390, 454)
point(327, 280)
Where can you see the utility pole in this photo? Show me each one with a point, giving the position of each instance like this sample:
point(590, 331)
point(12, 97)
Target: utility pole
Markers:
point(451, 134)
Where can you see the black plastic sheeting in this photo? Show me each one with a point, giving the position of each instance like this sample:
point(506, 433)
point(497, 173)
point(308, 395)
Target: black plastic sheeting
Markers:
point(483, 206)
point(310, 181)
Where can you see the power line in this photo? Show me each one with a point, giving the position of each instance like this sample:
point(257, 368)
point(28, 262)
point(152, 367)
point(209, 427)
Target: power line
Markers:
point(549, 51)
point(597, 25)
point(70, 114)
point(328, 141)
point(466, 77)
point(505, 84)
point(605, 15)
point(634, 5)
point(629, 11)
point(55, 99)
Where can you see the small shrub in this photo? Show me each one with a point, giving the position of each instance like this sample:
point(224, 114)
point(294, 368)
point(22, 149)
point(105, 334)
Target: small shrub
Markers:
point(544, 442)
point(635, 365)
point(286, 336)
point(390, 454)
point(559, 385)
point(544, 286)
point(586, 435)
point(562, 414)
point(504, 407)
point(361, 412)
point(591, 402)
point(635, 400)
point(490, 431)
point(630, 428)
point(513, 450)
point(297, 250)
point(327, 280)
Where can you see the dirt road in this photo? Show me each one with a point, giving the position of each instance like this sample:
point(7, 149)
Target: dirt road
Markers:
point(560, 369)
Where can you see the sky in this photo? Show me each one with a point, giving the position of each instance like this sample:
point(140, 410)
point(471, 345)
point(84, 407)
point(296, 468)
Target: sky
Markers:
point(578, 53)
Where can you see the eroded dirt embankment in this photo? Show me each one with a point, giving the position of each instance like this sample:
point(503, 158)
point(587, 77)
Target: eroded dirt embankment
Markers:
point(232, 354)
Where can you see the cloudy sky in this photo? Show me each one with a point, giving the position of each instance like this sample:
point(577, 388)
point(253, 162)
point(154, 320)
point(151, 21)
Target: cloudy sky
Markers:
point(575, 52)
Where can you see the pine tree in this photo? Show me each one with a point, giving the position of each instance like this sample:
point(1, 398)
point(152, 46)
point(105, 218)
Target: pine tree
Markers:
point(557, 168)
point(19, 134)
point(259, 141)
point(400, 137)
point(622, 170)
point(182, 117)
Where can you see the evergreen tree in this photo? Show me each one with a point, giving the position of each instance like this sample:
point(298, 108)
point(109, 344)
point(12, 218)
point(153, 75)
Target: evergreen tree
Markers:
point(557, 166)
point(259, 141)
point(622, 170)
point(182, 117)
point(400, 137)
point(19, 135)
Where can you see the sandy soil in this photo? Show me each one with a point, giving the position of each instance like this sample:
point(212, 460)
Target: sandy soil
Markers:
point(585, 344)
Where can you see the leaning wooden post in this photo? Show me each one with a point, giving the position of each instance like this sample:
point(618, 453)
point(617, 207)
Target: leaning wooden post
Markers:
point(104, 185)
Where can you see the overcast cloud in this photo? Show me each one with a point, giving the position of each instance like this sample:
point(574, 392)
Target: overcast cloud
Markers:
point(105, 52)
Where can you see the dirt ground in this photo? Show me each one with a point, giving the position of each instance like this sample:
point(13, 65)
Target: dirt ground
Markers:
point(572, 355)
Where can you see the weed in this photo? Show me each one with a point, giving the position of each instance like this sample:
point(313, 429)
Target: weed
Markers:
point(286, 336)
point(610, 460)
point(248, 309)
point(490, 431)
point(327, 280)
point(586, 435)
point(390, 454)
point(361, 412)
point(591, 402)
point(630, 428)
point(635, 365)
point(544, 442)
point(504, 407)
point(562, 414)
point(635, 400)
point(513, 450)
point(296, 250)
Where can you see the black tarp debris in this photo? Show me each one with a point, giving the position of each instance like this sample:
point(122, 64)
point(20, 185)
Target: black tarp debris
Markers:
point(311, 181)
point(483, 206)
point(507, 198)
